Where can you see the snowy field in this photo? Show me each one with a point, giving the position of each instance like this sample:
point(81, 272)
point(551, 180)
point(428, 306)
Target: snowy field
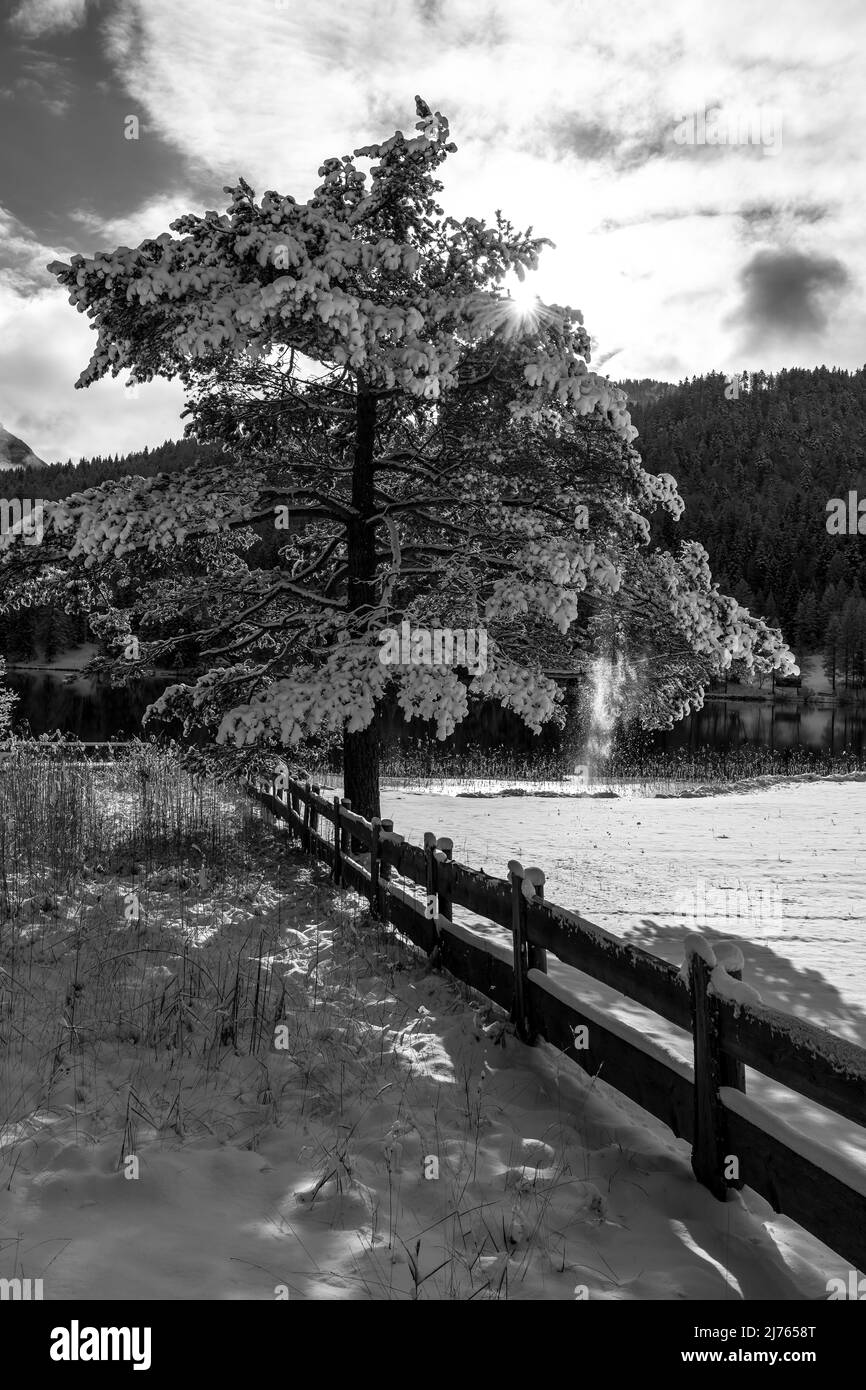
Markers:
point(306, 1172)
point(780, 867)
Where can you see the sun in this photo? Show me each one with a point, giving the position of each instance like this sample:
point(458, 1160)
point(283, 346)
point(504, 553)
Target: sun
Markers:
point(523, 297)
point(520, 310)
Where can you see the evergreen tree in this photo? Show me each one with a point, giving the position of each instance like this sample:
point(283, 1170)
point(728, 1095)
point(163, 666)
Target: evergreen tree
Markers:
point(831, 650)
point(449, 460)
point(806, 624)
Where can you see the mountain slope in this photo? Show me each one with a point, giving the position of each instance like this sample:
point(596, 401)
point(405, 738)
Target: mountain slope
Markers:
point(14, 453)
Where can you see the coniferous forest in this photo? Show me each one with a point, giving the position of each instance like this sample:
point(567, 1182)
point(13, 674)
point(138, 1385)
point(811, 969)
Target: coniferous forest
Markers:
point(756, 471)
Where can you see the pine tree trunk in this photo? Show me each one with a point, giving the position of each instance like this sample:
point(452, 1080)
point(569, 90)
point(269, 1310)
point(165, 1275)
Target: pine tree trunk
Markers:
point(361, 749)
point(361, 770)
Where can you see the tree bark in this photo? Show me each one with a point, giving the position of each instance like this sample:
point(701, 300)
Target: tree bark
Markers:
point(361, 770)
point(361, 749)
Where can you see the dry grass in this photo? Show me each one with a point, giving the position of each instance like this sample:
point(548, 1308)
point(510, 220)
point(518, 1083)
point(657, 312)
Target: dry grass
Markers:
point(158, 939)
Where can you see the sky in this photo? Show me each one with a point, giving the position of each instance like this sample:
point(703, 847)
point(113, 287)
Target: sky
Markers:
point(698, 166)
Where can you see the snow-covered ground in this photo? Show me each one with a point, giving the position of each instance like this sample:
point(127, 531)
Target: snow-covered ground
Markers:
point(302, 1172)
point(778, 866)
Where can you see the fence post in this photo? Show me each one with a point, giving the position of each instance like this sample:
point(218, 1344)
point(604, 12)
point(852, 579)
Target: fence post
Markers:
point(305, 836)
point(384, 876)
point(431, 876)
point(294, 801)
point(444, 875)
point(345, 832)
point(374, 865)
point(314, 815)
point(731, 1071)
point(338, 855)
point(442, 857)
point(536, 956)
point(708, 1149)
point(283, 796)
point(519, 1009)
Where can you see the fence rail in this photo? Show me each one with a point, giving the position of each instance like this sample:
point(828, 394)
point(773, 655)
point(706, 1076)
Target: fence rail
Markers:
point(734, 1142)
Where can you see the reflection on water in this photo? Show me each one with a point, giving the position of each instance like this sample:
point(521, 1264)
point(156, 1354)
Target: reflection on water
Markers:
point(90, 710)
point(729, 724)
point(94, 711)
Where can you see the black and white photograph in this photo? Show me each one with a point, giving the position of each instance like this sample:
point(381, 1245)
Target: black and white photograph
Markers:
point(433, 668)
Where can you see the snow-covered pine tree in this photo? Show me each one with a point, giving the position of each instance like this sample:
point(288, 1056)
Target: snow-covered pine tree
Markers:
point(435, 453)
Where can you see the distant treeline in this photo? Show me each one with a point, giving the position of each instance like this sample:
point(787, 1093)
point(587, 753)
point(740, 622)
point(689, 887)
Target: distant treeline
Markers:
point(757, 460)
point(46, 631)
point(52, 481)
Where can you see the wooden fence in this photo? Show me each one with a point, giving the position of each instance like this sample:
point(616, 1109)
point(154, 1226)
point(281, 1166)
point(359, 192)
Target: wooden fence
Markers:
point(734, 1142)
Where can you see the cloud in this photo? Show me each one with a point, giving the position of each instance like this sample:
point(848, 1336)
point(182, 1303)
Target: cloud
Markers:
point(606, 357)
point(22, 258)
point(44, 344)
point(789, 293)
point(45, 80)
point(564, 116)
point(34, 18)
point(604, 142)
point(149, 220)
point(767, 216)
